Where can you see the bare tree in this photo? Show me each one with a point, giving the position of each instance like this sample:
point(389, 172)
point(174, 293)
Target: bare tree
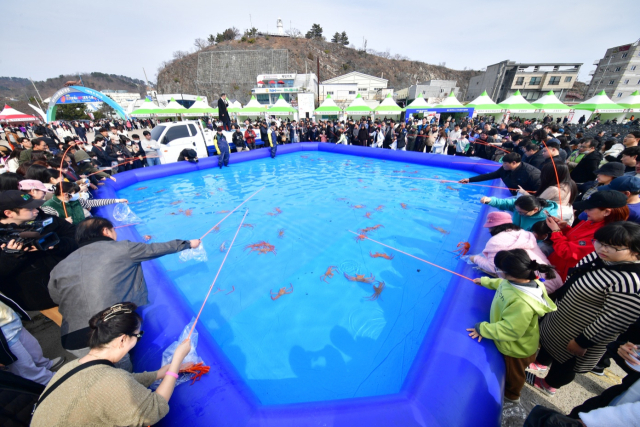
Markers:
point(200, 43)
point(294, 33)
point(179, 54)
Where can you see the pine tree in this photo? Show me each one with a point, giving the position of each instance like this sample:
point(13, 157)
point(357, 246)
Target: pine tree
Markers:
point(337, 38)
point(343, 38)
point(315, 32)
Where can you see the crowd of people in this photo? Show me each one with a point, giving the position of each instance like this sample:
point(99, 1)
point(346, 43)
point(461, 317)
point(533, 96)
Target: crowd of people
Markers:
point(563, 256)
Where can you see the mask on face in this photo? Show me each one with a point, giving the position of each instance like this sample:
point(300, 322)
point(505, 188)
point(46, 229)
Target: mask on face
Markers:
point(74, 197)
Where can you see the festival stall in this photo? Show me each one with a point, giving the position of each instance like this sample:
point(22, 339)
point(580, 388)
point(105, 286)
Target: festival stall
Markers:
point(516, 105)
point(282, 108)
point(550, 105)
point(11, 115)
point(631, 103)
point(234, 107)
point(598, 106)
point(200, 109)
point(172, 109)
point(252, 109)
point(388, 108)
point(358, 109)
point(328, 110)
point(484, 106)
point(146, 110)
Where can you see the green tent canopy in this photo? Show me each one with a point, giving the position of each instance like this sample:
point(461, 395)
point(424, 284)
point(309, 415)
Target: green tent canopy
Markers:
point(147, 109)
point(484, 105)
point(281, 108)
point(388, 107)
point(517, 104)
point(600, 104)
point(328, 107)
point(631, 102)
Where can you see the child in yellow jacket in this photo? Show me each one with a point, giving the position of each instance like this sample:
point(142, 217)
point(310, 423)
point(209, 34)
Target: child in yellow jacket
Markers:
point(513, 321)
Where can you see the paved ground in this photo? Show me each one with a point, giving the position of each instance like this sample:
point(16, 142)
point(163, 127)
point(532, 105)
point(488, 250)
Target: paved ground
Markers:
point(584, 387)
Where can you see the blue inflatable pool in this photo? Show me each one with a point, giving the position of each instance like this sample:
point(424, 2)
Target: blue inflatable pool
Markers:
point(452, 380)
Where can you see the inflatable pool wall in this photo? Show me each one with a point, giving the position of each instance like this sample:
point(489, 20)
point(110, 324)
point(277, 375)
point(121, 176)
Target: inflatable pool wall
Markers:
point(453, 381)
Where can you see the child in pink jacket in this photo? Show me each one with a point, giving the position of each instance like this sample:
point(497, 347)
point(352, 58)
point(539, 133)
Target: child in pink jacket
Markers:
point(507, 236)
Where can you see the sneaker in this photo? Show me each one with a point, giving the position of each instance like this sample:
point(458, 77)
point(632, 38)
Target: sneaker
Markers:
point(598, 370)
point(542, 385)
point(57, 363)
point(507, 400)
point(535, 366)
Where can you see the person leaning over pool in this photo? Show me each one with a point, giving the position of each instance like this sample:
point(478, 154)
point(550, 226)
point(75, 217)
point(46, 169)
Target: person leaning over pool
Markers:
point(514, 173)
point(100, 394)
point(527, 210)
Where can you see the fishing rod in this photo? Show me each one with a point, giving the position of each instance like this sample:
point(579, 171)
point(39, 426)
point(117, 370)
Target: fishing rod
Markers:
point(557, 179)
point(412, 256)
point(235, 209)
point(444, 181)
point(130, 160)
point(217, 274)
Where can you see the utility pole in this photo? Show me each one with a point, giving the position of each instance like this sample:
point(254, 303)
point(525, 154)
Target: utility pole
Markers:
point(34, 86)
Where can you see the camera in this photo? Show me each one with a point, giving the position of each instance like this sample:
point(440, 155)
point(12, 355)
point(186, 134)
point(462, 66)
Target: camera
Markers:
point(29, 234)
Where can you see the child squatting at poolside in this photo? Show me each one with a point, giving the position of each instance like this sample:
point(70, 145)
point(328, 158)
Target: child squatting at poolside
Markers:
point(519, 301)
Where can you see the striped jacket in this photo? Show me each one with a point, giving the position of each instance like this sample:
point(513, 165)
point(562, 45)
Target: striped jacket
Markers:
point(599, 302)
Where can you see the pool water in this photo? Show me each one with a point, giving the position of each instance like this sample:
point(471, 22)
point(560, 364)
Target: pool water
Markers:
point(327, 339)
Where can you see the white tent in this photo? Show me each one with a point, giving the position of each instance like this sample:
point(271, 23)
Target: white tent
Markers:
point(450, 102)
point(550, 105)
point(10, 114)
point(172, 109)
point(388, 107)
point(483, 105)
point(517, 105)
point(358, 108)
point(252, 109)
point(631, 103)
point(419, 102)
point(199, 109)
point(281, 108)
point(599, 105)
point(328, 108)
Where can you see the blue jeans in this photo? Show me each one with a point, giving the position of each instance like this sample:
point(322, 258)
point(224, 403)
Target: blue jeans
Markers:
point(153, 161)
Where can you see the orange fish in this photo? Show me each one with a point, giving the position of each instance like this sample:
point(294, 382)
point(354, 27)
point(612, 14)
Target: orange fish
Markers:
point(379, 208)
point(368, 215)
point(141, 188)
point(188, 212)
point(380, 255)
point(404, 205)
point(177, 202)
point(440, 229)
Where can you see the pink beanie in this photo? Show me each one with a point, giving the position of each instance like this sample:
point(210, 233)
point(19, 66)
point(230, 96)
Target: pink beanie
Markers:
point(497, 218)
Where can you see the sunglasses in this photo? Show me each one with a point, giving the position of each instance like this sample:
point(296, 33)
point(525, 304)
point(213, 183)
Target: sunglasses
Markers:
point(138, 335)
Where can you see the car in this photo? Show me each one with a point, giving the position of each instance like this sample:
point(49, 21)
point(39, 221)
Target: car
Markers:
point(174, 137)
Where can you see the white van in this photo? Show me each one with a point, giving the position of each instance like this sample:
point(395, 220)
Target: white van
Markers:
point(174, 137)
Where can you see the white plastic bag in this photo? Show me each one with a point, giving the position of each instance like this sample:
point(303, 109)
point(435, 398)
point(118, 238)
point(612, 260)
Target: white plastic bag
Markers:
point(197, 254)
point(192, 357)
point(122, 213)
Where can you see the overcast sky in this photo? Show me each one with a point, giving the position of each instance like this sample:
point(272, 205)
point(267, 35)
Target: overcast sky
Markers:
point(45, 38)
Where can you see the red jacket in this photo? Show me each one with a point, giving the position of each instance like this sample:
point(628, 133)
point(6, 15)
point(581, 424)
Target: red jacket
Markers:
point(571, 245)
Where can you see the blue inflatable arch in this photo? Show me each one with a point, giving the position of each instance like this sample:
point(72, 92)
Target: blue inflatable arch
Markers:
point(53, 102)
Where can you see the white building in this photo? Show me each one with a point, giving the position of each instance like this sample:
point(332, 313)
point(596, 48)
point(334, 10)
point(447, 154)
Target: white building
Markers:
point(369, 87)
point(341, 93)
point(122, 97)
point(269, 87)
point(618, 72)
point(433, 91)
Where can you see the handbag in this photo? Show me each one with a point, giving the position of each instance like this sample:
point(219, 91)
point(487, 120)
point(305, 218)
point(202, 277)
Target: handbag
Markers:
point(67, 376)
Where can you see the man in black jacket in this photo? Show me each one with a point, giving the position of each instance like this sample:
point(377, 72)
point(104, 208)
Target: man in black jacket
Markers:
point(99, 151)
point(552, 150)
point(223, 113)
point(584, 170)
point(533, 156)
point(513, 173)
point(25, 269)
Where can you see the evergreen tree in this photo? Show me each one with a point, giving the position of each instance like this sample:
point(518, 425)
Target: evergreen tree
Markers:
point(71, 112)
point(343, 38)
point(337, 38)
point(315, 32)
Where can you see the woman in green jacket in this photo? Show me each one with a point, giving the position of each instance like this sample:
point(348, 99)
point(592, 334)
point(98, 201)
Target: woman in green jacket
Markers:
point(527, 210)
point(76, 207)
point(513, 322)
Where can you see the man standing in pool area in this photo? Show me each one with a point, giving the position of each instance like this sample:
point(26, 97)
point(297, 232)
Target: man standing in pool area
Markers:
point(273, 140)
point(222, 147)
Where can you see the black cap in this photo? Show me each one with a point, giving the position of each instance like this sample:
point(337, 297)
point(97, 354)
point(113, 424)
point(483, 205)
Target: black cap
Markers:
point(14, 199)
point(603, 200)
point(615, 169)
point(528, 130)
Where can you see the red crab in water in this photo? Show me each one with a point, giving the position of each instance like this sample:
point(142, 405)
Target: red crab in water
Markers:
point(329, 273)
point(463, 248)
point(360, 278)
point(377, 290)
point(282, 291)
point(198, 370)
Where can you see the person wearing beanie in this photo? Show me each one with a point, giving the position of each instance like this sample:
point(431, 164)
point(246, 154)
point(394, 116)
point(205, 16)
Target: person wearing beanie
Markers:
point(505, 235)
